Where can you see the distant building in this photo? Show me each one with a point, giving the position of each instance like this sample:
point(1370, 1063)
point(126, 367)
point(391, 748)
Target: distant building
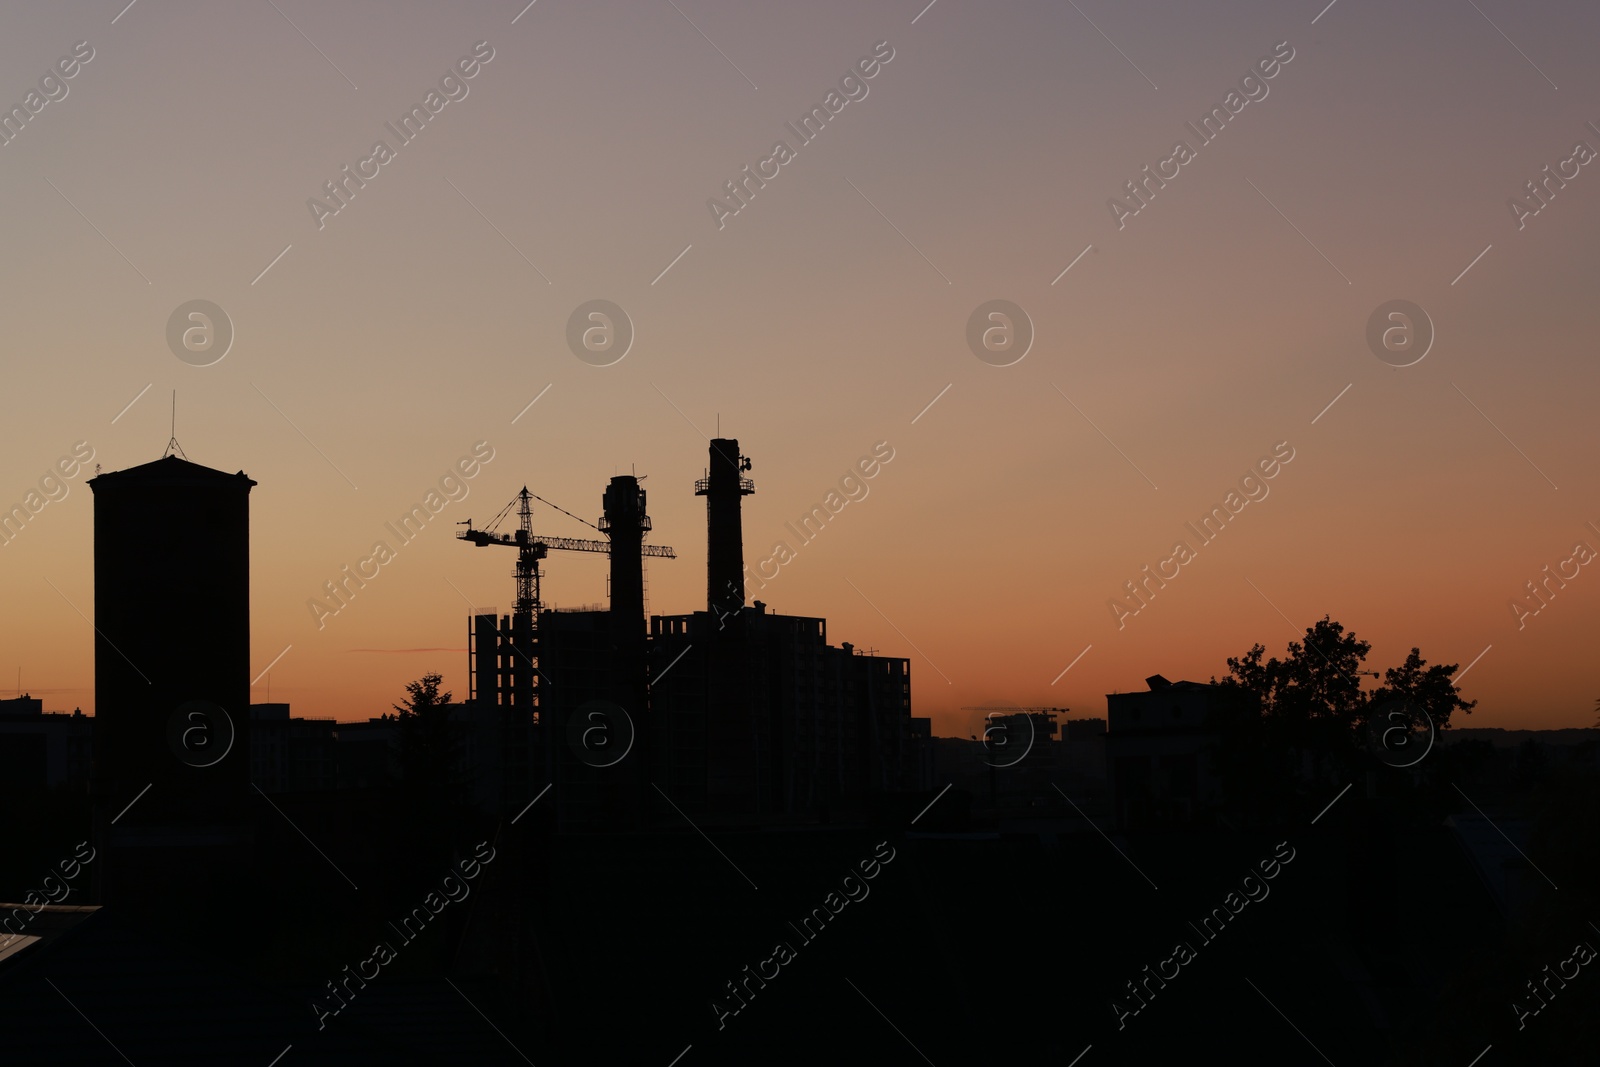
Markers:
point(291, 755)
point(503, 689)
point(1157, 746)
point(39, 750)
point(1087, 730)
point(1084, 761)
point(23, 706)
point(366, 754)
point(1025, 739)
point(583, 719)
point(294, 755)
point(756, 715)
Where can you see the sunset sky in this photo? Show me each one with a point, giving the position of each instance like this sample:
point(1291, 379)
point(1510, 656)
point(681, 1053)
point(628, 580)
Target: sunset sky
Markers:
point(1178, 350)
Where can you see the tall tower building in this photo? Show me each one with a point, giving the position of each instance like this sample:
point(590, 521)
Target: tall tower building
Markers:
point(172, 665)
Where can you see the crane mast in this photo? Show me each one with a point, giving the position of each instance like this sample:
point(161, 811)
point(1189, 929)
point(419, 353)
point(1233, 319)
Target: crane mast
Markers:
point(528, 603)
point(505, 655)
point(532, 547)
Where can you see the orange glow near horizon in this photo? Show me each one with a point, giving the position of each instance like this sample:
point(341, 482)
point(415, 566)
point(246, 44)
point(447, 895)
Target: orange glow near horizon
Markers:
point(1176, 353)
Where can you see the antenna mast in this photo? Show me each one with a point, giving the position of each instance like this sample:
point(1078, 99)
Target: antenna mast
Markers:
point(172, 442)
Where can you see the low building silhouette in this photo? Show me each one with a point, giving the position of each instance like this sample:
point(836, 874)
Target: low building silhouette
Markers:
point(756, 716)
point(1157, 751)
point(290, 755)
point(43, 750)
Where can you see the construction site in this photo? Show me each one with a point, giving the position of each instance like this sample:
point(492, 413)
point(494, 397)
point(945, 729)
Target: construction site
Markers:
point(740, 716)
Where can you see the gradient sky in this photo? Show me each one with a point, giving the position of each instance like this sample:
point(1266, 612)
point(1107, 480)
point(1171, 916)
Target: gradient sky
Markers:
point(1221, 320)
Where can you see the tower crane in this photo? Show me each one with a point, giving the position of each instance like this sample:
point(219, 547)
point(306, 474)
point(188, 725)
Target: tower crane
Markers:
point(532, 547)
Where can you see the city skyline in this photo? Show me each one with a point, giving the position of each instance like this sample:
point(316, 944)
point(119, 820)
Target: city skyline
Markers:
point(1172, 348)
point(1055, 495)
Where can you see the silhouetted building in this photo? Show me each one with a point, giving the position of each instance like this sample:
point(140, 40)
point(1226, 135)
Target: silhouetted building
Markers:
point(734, 713)
point(1085, 730)
point(588, 725)
point(1084, 761)
point(366, 754)
point(42, 751)
point(23, 706)
point(172, 672)
point(1025, 740)
point(502, 655)
point(290, 755)
point(295, 755)
point(1157, 747)
point(799, 728)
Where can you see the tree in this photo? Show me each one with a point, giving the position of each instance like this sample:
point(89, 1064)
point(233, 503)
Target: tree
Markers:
point(1293, 721)
point(1305, 714)
point(431, 802)
point(424, 696)
point(1429, 688)
point(430, 744)
point(1313, 696)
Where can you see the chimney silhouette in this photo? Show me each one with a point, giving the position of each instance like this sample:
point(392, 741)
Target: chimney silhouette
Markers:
point(626, 523)
point(723, 487)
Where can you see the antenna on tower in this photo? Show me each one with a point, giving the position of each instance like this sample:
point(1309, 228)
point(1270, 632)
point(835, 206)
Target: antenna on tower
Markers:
point(172, 442)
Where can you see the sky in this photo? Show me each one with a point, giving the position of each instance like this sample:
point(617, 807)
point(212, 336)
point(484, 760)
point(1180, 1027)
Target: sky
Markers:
point(1172, 349)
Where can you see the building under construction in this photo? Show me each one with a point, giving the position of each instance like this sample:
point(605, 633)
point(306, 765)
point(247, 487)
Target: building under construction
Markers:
point(737, 715)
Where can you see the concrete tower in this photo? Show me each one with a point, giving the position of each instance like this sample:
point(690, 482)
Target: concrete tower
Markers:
point(625, 524)
point(724, 486)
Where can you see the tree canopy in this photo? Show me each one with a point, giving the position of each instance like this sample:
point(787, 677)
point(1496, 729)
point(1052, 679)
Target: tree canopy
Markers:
point(1317, 685)
point(430, 744)
point(1302, 718)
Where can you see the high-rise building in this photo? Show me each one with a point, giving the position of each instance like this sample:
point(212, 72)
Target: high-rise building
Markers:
point(172, 668)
